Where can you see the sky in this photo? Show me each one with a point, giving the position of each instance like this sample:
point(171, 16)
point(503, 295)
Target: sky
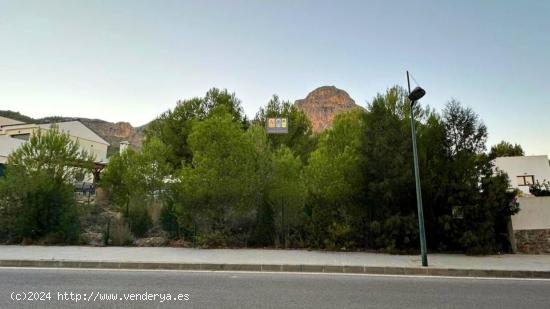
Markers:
point(132, 60)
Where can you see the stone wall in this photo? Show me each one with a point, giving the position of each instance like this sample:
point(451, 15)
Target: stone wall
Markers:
point(533, 241)
point(531, 226)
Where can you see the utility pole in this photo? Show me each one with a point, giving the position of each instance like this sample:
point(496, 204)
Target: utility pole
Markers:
point(413, 97)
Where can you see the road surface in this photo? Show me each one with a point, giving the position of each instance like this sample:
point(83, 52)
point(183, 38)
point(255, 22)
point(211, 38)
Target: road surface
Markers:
point(180, 289)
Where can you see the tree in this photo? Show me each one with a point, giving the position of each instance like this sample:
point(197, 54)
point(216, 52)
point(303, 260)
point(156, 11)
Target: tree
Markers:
point(335, 183)
point(264, 229)
point(286, 192)
point(135, 181)
point(505, 149)
point(174, 126)
point(121, 180)
point(465, 132)
point(299, 138)
point(36, 195)
point(218, 186)
point(52, 152)
point(479, 201)
point(390, 206)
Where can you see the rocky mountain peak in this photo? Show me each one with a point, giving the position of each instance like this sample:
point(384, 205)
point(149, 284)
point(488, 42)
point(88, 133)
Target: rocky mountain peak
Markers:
point(323, 104)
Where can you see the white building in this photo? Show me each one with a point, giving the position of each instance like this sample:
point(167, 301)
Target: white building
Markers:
point(8, 122)
point(525, 170)
point(14, 133)
point(7, 146)
point(88, 139)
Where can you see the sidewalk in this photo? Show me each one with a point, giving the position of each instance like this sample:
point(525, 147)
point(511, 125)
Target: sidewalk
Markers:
point(511, 265)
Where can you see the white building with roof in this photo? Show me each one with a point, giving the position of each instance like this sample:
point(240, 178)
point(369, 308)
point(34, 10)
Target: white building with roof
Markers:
point(8, 121)
point(524, 171)
point(77, 131)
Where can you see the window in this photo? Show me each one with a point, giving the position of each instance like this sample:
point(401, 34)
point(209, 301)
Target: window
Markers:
point(526, 180)
point(24, 137)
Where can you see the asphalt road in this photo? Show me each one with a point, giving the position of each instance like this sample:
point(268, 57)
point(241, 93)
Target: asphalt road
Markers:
point(259, 290)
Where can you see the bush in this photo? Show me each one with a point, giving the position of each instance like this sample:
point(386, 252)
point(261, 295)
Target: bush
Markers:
point(169, 220)
point(396, 234)
point(539, 189)
point(37, 193)
point(339, 237)
point(138, 217)
point(120, 234)
point(264, 232)
point(211, 240)
point(42, 209)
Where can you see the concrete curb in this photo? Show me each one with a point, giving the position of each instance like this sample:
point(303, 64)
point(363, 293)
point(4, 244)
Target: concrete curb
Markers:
point(282, 268)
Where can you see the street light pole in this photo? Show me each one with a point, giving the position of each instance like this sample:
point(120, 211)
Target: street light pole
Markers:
point(417, 94)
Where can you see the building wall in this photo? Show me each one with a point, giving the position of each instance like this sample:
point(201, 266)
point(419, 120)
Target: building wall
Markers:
point(534, 213)
point(538, 166)
point(531, 225)
point(97, 149)
point(18, 130)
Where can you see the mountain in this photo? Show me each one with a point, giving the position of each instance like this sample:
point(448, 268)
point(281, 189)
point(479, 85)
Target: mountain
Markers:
point(113, 133)
point(323, 104)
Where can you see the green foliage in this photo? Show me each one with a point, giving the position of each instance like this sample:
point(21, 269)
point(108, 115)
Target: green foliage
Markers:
point(120, 179)
point(223, 182)
point(263, 233)
point(169, 219)
point(54, 153)
point(340, 237)
point(299, 138)
point(218, 187)
point(286, 192)
point(215, 239)
point(397, 234)
point(505, 149)
point(335, 180)
point(480, 197)
point(360, 179)
point(138, 218)
point(465, 132)
point(47, 211)
point(135, 181)
point(36, 195)
point(173, 127)
point(540, 189)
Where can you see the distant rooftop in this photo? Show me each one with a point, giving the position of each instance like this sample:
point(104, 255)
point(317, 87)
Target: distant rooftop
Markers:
point(8, 121)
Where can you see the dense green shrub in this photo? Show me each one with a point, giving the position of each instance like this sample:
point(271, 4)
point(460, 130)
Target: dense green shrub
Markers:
point(398, 234)
point(42, 209)
point(215, 239)
point(540, 189)
point(169, 220)
point(138, 217)
point(36, 194)
point(49, 212)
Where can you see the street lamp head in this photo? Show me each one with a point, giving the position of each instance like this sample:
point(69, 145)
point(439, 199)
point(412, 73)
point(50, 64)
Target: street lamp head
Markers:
point(416, 94)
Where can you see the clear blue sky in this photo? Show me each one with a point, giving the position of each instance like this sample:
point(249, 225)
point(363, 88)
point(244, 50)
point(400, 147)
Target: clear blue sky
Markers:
point(131, 60)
